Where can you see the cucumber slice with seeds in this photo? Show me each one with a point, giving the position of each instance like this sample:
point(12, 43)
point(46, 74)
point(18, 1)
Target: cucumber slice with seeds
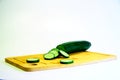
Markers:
point(54, 51)
point(66, 61)
point(49, 56)
point(64, 54)
point(32, 60)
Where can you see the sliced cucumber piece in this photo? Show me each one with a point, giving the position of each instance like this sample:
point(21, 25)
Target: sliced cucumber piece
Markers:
point(64, 54)
point(49, 56)
point(54, 51)
point(66, 61)
point(32, 60)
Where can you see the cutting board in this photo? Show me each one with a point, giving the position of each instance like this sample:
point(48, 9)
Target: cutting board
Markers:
point(79, 58)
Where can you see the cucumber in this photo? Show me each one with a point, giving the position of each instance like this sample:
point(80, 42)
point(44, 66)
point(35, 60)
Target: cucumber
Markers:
point(49, 56)
point(54, 51)
point(64, 54)
point(66, 61)
point(74, 46)
point(32, 60)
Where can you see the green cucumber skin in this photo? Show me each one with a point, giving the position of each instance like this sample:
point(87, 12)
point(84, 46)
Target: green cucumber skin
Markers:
point(74, 46)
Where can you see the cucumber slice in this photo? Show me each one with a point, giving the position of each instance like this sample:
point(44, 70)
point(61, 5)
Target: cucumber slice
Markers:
point(49, 56)
point(64, 54)
point(54, 51)
point(32, 60)
point(66, 61)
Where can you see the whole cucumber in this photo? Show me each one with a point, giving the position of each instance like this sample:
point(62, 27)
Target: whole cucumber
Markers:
point(74, 46)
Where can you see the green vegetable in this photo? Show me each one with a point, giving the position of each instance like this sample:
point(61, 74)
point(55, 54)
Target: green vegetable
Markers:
point(66, 61)
point(32, 60)
point(74, 46)
point(49, 56)
point(64, 54)
point(54, 51)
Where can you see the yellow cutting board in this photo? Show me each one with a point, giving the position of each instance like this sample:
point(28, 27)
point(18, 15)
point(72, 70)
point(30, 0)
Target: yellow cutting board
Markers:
point(79, 58)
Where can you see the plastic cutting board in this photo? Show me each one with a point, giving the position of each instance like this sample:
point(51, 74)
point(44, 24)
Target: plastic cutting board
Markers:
point(79, 58)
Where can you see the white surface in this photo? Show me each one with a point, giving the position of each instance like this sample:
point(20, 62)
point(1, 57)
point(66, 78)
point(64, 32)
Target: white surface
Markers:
point(35, 26)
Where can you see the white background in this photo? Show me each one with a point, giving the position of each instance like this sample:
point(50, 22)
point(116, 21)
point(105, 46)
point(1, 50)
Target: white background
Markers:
point(36, 26)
